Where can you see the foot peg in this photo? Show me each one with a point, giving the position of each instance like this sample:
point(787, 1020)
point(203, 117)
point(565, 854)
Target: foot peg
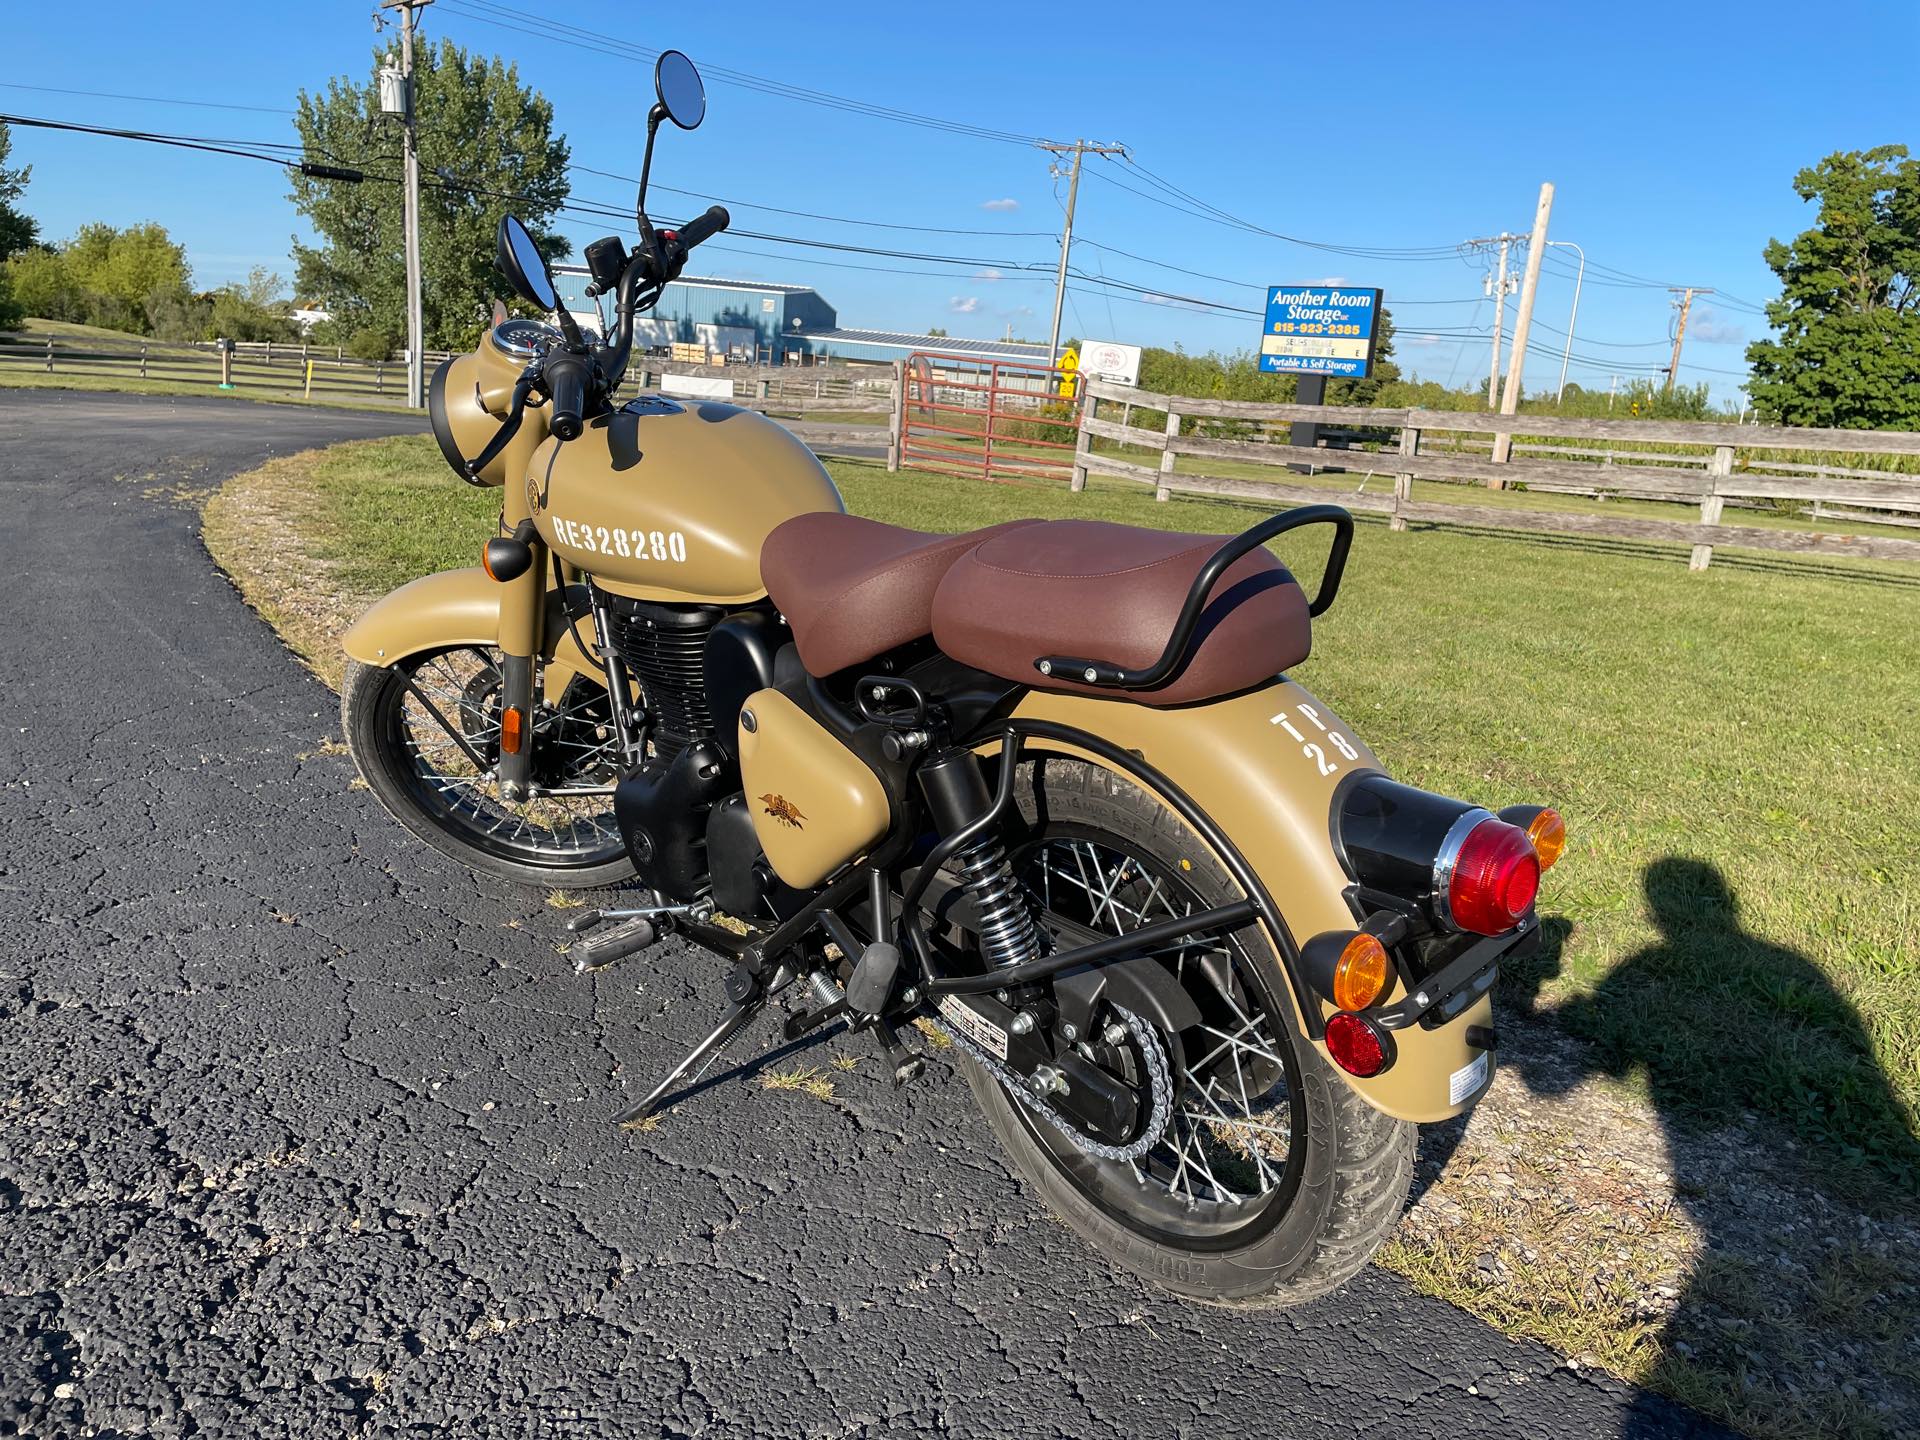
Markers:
point(872, 979)
point(602, 948)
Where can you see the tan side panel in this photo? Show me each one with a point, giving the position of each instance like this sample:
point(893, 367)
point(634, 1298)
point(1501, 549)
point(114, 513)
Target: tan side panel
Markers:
point(1264, 766)
point(672, 501)
point(815, 804)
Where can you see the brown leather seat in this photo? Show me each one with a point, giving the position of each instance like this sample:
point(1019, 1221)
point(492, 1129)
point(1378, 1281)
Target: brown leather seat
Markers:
point(1099, 591)
point(853, 588)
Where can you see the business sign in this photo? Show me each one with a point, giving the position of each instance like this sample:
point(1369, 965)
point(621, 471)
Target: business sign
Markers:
point(1104, 360)
point(1320, 330)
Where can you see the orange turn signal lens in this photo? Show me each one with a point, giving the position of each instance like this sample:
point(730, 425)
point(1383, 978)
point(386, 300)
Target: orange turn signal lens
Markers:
point(1360, 975)
point(1548, 832)
point(513, 730)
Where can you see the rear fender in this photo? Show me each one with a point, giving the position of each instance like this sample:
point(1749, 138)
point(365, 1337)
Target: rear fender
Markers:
point(462, 607)
point(1263, 766)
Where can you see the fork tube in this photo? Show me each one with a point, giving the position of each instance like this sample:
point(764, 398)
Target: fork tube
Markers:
point(522, 623)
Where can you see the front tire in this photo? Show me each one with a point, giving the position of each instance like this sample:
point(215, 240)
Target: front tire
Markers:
point(423, 777)
point(1313, 1215)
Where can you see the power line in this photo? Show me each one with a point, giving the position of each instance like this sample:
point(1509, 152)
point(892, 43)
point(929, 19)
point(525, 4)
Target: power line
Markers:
point(146, 99)
point(498, 15)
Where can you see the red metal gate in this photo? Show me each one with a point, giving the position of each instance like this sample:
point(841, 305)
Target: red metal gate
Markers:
point(1001, 420)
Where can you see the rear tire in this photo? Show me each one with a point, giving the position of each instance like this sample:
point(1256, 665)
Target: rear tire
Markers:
point(371, 705)
point(1348, 1166)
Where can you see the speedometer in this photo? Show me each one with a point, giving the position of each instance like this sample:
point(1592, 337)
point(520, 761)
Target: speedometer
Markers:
point(524, 338)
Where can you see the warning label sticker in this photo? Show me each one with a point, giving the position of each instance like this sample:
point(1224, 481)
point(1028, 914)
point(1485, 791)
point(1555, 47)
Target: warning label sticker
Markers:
point(1468, 1079)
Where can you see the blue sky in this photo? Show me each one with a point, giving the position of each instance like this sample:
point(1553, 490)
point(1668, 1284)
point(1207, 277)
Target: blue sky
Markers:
point(1671, 136)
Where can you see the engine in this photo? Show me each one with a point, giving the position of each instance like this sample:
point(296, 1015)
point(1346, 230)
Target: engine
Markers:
point(695, 665)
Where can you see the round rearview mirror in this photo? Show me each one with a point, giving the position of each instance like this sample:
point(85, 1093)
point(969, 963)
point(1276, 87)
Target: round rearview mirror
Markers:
point(680, 89)
point(524, 266)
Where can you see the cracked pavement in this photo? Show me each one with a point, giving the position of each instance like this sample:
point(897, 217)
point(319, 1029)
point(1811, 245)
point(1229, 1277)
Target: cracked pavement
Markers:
point(305, 1129)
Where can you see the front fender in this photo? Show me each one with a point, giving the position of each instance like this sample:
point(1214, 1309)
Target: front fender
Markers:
point(1263, 766)
point(460, 607)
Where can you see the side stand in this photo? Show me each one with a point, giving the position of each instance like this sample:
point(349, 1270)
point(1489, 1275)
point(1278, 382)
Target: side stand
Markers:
point(731, 1024)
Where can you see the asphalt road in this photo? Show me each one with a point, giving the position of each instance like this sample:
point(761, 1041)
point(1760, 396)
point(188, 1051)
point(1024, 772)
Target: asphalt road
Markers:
point(305, 1130)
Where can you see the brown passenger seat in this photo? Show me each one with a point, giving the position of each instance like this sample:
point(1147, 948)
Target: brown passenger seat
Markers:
point(852, 588)
point(1099, 591)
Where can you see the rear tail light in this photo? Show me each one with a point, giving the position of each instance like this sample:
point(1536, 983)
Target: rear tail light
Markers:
point(1486, 876)
point(1357, 1045)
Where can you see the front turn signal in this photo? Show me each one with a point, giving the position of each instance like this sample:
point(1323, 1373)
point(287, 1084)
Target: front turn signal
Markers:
point(1360, 974)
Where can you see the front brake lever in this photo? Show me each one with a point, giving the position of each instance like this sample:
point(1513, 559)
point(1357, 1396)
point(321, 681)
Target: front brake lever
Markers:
point(502, 438)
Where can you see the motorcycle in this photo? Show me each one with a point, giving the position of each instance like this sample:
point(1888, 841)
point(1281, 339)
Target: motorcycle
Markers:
point(1046, 787)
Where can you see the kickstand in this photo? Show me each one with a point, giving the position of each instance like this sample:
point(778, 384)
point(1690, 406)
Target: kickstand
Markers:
point(731, 1024)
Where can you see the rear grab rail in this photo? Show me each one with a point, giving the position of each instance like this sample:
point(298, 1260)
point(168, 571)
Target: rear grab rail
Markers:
point(1107, 674)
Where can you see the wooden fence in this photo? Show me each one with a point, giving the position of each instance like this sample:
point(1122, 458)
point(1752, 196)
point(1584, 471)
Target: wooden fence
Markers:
point(828, 406)
point(1713, 465)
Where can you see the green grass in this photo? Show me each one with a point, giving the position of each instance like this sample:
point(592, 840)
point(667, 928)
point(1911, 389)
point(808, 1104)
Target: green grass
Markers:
point(1735, 750)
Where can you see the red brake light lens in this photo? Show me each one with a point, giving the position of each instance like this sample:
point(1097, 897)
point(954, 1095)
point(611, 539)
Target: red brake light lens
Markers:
point(1356, 1046)
point(1494, 878)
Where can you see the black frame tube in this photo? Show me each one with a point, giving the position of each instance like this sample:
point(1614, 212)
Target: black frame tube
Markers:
point(1109, 674)
point(1179, 927)
point(1306, 999)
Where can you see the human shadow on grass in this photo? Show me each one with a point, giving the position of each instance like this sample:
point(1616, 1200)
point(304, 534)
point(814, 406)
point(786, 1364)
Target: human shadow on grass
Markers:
point(1722, 1025)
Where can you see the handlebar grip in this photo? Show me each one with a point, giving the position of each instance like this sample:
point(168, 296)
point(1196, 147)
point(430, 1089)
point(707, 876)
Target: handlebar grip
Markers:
point(567, 386)
point(704, 227)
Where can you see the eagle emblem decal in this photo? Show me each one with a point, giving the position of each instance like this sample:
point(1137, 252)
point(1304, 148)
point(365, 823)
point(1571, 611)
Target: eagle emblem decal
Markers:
point(783, 810)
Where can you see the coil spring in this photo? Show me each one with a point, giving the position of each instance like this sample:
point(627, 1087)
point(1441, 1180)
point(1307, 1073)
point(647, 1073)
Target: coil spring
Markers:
point(1007, 933)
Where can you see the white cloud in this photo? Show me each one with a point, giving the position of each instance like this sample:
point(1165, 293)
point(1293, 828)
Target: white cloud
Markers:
point(1158, 299)
point(1426, 339)
point(1715, 329)
point(988, 276)
point(964, 304)
point(1330, 280)
point(1004, 204)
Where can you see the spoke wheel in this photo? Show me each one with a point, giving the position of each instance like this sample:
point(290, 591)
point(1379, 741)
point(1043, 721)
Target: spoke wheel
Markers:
point(1228, 1161)
point(1273, 1180)
point(425, 733)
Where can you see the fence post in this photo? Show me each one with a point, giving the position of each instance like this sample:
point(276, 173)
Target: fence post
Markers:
point(49, 354)
point(268, 360)
point(760, 389)
point(1083, 443)
point(143, 359)
point(1403, 482)
point(379, 377)
point(1711, 504)
point(309, 394)
point(896, 424)
point(1166, 455)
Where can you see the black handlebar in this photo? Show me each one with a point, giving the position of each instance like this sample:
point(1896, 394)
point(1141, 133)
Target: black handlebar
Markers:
point(703, 227)
point(566, 378)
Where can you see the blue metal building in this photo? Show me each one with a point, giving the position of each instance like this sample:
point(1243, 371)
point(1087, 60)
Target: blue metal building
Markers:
point(729, 315)
point(778, 324)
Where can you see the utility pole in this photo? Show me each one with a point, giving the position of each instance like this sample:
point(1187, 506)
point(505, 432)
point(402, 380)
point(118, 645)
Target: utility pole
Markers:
point(1523, 319)
point(1078, 149)
point(1497, 288)
point(410, 151)
point(1685, 302)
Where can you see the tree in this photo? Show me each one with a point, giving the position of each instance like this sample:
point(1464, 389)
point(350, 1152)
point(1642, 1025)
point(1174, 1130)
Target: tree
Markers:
point(43, 286)
point(487, 148)
point(17, 230)
point(1385, 371)
point(1847, 323)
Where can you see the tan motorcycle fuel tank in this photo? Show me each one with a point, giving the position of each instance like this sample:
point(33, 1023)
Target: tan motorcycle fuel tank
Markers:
point(669, 500)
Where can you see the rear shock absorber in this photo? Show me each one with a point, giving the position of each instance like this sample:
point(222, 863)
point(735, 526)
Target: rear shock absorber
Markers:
point(957, 795)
